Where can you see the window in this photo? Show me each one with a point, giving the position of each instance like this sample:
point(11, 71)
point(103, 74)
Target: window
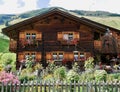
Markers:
point(54, 56)
point(65, 36)
point(30, 35)
point(30, 56)
point(27, 35)
point(79, 56)
point(96, 36)
point(33, 56)
point(27, 55)
point(76, 57)
point(70, 36)
point(82, 56)
point(60, 56)
point(33, 35)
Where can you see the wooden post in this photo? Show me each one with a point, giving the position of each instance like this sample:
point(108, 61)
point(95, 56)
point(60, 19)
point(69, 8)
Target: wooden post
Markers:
point(43, 51)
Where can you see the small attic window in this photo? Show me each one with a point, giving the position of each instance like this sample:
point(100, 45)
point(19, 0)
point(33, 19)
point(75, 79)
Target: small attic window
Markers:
point(70, 23)
point(96, 36)
point(55, 17)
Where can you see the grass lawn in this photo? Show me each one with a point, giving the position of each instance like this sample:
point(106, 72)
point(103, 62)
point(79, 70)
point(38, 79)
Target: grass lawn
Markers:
point(110, 21)
point(4, 45)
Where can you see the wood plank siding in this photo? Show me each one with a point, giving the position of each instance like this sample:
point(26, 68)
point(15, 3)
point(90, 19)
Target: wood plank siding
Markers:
point(59, 33)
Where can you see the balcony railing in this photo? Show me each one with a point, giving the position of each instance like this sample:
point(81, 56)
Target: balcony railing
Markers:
point(29, 43)
point(70, 42)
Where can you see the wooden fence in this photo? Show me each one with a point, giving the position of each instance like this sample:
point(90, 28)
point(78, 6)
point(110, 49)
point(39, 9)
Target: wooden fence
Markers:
point(61, 87)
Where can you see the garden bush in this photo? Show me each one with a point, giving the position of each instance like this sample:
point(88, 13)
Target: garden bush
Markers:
point(87, 75)
point(8, 61)
point(89, 63)
point(26, 75)
point(100, 75)
point(60, 73)
point(113, 77)
point(51, 67)
point(1, 67)
point(72, 76)
point(49, 78)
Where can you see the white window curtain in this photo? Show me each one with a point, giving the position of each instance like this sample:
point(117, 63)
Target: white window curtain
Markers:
point(54, 56)
point(65, 36)
point(33, 56)
point(60, 56)
point(76, 57)
point(33, 35)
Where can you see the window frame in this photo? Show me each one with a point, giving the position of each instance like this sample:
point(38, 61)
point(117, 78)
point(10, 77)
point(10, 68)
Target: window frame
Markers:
point(30, 54)
point(79, 56)
point(57, 55)
point(69, 35)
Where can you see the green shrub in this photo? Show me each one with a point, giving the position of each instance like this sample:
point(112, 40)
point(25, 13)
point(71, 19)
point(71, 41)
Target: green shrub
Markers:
point(27, 75)
point(26, 71)
point(60, 73)
point(75, 67)
point(100, 75)
point(109, 78)
point(89, 63)
point(88, 75)
point(23, 78)
point(38, 66)
point(50, 68)
point(113, 77)
point(72, 76)
point(48, 77)
point(1, 67)
point(8, 60)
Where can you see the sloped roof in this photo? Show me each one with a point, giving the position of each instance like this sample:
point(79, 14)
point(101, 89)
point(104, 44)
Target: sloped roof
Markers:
point(58, 10)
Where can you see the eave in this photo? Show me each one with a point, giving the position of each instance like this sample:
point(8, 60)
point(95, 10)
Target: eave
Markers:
point(14, 29)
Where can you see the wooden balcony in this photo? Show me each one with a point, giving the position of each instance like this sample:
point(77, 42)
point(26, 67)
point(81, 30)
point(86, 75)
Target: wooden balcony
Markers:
point(69, 42)
point(28, 44)
point(97, 45)
point(13, 45)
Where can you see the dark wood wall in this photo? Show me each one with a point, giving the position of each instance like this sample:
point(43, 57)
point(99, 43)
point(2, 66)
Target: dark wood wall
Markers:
point(47, 39)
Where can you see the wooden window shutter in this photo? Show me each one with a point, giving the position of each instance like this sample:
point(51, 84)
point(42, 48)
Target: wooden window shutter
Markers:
point(38, 56)
point(65, 56)
point(71, 56)
point(60, 36)
point(22, 35)
point(39, 36)
point(76, 35)
point(20, 56)
point(48, 56)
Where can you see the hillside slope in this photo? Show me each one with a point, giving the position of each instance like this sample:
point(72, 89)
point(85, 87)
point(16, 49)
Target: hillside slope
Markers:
point(4, 44)
point(110, 21)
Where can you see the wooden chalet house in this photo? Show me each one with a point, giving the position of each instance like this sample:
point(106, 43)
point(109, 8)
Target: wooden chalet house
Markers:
point(59, 35)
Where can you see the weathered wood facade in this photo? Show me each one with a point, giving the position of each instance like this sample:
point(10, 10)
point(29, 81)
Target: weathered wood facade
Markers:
point(58, 35)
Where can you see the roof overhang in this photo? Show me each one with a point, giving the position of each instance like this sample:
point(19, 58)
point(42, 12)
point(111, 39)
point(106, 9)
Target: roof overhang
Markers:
point(12, 31)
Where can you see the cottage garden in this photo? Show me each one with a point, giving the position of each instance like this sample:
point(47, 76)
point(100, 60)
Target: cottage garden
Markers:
point(31, 73)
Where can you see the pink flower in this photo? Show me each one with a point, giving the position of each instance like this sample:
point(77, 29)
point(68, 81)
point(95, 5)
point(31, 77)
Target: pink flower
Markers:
point(8, 78)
